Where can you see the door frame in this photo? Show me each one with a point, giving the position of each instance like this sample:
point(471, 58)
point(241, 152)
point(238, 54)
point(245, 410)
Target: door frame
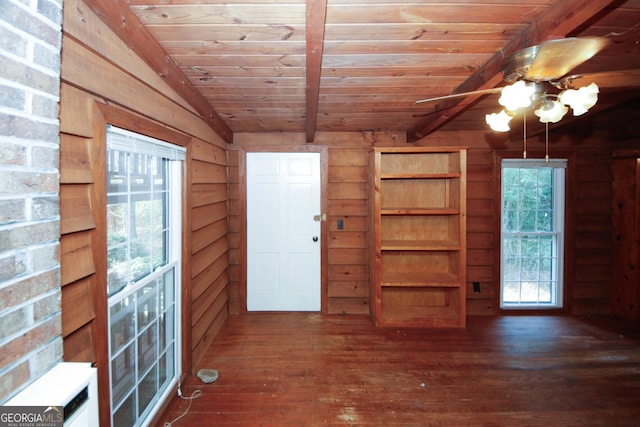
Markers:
point(323, 150)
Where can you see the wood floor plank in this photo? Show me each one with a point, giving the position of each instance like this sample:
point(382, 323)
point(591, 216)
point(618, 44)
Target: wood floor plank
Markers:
point(296, 369)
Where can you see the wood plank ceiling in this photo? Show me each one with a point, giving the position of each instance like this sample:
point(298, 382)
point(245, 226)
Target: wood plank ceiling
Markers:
point(354, 65)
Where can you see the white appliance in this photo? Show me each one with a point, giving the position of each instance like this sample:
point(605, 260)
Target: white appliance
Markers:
point(71, 385)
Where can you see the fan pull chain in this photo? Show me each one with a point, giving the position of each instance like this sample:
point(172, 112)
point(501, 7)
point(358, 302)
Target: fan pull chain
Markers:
point(524, 144)
point(546, 143)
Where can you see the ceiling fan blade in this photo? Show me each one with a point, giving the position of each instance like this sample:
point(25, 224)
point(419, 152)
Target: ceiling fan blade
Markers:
point(604, 79)
point(460, 95)
point(555, 58)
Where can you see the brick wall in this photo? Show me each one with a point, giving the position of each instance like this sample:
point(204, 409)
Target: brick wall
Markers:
point(30, 333)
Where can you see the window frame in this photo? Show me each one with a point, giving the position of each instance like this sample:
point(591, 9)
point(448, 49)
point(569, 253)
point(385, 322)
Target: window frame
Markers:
point(135, 143)
point(560, 206)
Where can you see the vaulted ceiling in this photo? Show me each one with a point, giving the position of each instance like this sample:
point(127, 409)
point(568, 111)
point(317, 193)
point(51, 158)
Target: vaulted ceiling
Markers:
point(359, 65)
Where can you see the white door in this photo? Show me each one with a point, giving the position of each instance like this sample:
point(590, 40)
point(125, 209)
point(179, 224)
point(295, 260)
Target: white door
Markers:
point(283, 231)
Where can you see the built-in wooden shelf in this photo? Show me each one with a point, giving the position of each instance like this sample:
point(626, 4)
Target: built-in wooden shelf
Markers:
point(420, 245)
point(419, 237)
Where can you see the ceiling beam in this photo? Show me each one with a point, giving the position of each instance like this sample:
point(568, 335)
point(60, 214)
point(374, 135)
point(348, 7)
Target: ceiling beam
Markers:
point(316, 18)
point(563, 17)
point(126, 24)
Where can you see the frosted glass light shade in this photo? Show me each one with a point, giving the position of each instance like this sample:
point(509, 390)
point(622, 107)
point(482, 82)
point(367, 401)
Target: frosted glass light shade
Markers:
point(517, 95)
point(580, 100)
point(551, 111)
point(499, 121)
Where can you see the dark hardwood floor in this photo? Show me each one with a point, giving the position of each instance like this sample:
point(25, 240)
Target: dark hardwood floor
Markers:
point(308, 370)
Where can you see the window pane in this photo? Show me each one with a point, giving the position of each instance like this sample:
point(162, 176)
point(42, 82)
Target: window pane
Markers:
point(147, 347)
point(148, 389)
point(125, 415)
point(122, 374)
point(147, 301)
point(122, 324)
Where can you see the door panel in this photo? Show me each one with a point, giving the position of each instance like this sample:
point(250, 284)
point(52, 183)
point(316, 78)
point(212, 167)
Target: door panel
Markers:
point(283, 259)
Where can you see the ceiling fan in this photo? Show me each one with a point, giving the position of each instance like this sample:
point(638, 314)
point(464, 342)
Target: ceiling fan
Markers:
point(533, 70)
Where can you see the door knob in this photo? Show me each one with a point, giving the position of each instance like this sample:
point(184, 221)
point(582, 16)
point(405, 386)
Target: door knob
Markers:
point(315, 238)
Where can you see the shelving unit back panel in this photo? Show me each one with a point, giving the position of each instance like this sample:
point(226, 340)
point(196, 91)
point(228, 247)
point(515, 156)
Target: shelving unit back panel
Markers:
point(420, 193)
point(420, 227)
point(425, 262)
point(420, 163)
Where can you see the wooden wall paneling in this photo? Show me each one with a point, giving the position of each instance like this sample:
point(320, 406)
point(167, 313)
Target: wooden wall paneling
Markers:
point(75, 112)
point(75, 162)
point(203, 194)
point(202, 259)
point(236, 285)
point(339, 207)
point(591, 204)
point(204, 215)
point(481, 233)
point(76, 260)
point(82, 24)
point(77, 305)
point(208, 234)
point(210, 312)
point(217, 317)
point(212, 293)
point(236, 257)
point(625, 287)
point(103, 82)
point(75, 345)
point(204, 172)
point(210, 274)
point(76, 211)
point(349, 247)
point(96, 75)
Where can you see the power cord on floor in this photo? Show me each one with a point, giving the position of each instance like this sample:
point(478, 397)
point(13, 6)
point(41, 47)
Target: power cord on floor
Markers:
point(196, 394)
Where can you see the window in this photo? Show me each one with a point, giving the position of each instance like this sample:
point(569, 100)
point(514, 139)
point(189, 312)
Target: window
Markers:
point(143, 268)
point(532, 233)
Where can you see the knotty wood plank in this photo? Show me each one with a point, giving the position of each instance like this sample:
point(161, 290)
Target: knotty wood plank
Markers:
point(472, 31)
point(309, 369)
point(420, 12)
point(220, 13)
point(231, 32)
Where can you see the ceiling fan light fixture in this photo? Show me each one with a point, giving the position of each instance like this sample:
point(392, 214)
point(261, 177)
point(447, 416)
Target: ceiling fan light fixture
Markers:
point(580, 100)
point(517, 95)
point(499, 122)
point(551, 111)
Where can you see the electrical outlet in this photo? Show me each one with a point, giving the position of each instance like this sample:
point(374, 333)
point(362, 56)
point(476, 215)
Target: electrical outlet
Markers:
point(340, 224)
